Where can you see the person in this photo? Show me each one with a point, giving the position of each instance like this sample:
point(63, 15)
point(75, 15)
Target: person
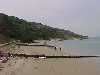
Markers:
point(60, 48)
point(55, 48)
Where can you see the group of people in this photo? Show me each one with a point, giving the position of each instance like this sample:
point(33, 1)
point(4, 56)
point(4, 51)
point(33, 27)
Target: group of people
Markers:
point(56, 48)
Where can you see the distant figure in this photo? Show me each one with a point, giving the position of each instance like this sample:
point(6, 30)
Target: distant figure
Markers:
point(55, 48)
point(60, 48)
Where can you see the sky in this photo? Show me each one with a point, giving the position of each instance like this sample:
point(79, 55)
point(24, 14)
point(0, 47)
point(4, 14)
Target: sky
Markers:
point(79, 16)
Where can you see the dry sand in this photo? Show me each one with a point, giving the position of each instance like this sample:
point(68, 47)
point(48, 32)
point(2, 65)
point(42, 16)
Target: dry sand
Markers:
point(31, 66)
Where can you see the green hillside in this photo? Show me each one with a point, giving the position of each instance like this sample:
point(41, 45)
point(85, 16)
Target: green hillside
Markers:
point(19, 29)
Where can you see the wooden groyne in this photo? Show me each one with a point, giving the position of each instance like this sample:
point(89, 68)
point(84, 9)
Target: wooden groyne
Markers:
point(3, 45)
point(36, 45)
point(38, 56)
point(44, 56)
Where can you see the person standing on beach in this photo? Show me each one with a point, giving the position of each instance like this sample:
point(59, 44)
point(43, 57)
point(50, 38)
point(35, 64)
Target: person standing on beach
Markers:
point(55, 48)
point(60, 48)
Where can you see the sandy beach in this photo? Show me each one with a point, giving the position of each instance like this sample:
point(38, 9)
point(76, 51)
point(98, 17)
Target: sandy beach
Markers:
point(32, 66)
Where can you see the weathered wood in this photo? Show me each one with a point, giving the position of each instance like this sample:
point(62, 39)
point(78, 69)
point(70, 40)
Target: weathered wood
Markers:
point(37, 56)
point(3, 45)
point(36, 45)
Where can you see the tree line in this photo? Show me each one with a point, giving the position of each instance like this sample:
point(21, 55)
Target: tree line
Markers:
point(19, 29)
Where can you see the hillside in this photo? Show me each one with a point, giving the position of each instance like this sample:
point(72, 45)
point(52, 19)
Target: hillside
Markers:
point(19, 29)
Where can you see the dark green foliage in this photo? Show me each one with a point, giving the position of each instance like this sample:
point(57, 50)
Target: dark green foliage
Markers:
point(24, 31)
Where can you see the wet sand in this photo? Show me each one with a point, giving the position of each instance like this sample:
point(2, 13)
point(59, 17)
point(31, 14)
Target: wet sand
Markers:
point(31, 66)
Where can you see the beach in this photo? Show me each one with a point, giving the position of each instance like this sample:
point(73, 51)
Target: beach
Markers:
point(48, 67)
point(52, 66)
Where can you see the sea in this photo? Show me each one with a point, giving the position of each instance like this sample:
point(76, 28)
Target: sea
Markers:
point(89, 47)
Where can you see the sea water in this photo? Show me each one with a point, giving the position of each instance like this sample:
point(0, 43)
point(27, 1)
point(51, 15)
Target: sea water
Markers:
point(82, 47)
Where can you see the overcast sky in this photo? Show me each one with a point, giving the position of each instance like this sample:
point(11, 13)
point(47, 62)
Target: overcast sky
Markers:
point(80, 16)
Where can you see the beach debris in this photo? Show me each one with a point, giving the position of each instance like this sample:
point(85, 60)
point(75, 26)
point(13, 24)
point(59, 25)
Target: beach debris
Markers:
point(42, 57)
point(4, 56)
